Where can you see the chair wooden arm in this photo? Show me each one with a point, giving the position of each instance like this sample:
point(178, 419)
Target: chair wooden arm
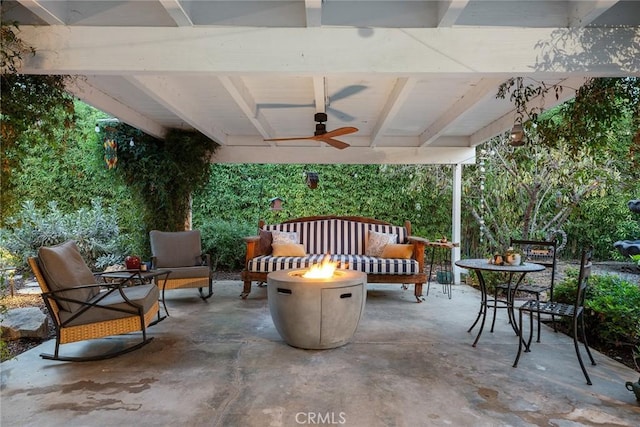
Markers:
point(416, 239)
point(418, 249)
point(252, 248)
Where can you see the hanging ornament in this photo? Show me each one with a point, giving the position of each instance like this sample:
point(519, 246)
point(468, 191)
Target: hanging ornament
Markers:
point(483, 172)
point(110, 153)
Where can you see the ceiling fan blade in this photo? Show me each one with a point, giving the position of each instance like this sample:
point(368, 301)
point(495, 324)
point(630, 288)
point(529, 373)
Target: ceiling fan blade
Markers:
point(340, 114)
point(339, 132)
point(282, 105)
point(332, 142)
point(291, 139)
point(346, 92)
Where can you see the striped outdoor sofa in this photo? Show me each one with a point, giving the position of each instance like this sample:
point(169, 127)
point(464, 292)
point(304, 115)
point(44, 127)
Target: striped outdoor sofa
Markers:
point(345, 240)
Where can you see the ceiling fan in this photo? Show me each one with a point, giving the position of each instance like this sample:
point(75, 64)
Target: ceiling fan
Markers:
point(341, 94)
point(321, 133)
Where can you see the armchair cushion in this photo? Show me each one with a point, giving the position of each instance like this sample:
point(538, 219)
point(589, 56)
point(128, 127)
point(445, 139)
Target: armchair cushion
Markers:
point(142, 295)
point(176, 249)
point(63, 268)
point(189, 272)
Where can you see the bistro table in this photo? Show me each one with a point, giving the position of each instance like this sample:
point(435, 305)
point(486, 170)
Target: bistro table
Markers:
point(480, 265)
point(141, 277)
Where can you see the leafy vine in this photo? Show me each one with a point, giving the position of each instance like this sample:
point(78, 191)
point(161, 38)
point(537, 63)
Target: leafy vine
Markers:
point(164, 172)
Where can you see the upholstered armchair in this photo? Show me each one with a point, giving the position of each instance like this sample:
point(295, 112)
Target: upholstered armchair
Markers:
point(181, 252)
point(82, 308)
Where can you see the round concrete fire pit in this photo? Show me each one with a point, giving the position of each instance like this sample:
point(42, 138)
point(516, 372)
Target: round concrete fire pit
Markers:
point(316, 313)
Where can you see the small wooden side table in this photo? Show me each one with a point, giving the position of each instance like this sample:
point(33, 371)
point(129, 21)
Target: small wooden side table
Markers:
point(445, 274)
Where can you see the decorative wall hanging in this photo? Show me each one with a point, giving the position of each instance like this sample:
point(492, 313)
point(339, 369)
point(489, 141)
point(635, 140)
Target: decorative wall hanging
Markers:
point(312, 179)
point(110, 153)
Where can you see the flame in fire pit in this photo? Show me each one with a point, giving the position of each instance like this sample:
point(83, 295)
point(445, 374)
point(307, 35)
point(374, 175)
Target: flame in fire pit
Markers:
point(323, 270)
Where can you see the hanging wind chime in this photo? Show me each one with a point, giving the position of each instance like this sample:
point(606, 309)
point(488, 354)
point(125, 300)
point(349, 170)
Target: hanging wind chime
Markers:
point(481, 209)
point(110, 153)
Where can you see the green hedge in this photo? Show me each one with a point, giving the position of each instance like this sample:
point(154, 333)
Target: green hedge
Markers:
point(223, 241)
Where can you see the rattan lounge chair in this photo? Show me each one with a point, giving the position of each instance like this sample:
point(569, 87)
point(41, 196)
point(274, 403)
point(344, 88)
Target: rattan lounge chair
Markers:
point(181, 252)
point(83, 309)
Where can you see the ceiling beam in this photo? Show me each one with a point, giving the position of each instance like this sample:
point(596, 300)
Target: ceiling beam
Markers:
point(313, 11)
point(457, 51)
point(320, 93)
point(474, 95)
point(583, 13)
point(399, 94)
point(83, 89)
point(176, 11)
point(167, 93)
point(51, 12)
point(449, 11)
point(351, 155)
point(242, 96)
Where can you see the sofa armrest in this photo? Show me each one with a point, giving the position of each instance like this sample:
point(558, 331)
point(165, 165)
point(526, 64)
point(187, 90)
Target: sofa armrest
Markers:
point(418, 249)
point(252, 247)
point(419, 240)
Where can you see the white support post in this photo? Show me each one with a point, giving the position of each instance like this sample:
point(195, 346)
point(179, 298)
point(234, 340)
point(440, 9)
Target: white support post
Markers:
point(455, 219)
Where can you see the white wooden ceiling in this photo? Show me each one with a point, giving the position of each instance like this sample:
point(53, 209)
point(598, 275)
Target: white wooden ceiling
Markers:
point(417, 78)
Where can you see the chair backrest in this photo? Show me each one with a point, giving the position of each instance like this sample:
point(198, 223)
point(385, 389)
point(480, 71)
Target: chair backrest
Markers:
point(52, 305)
point(583, 277)
point(61, 267)
point(176, 248)
point(542, 252)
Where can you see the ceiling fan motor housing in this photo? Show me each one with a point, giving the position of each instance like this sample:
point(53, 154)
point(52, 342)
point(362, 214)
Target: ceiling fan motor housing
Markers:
point(320, 117)
point(321, 128)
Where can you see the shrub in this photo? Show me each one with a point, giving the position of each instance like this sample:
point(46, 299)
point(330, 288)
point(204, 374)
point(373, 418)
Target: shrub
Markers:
point(491, 280)
point(612, 306)
point(94, 229)
point(223, 241)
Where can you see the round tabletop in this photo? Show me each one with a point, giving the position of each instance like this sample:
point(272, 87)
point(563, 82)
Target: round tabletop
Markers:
point(483, 264)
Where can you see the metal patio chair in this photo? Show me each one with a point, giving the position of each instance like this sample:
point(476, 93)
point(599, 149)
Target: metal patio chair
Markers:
point(573, 311)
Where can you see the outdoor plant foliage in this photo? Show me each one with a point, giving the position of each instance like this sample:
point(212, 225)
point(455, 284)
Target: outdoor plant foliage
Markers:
point(588, 120)
point(223, 240)
point(163, 173)
point(612, 307)
point(30, 103)
point(242, 193)
point(94, 229)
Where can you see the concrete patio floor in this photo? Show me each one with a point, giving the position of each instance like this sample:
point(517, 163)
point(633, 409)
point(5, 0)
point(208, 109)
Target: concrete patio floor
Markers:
point(222, 363)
